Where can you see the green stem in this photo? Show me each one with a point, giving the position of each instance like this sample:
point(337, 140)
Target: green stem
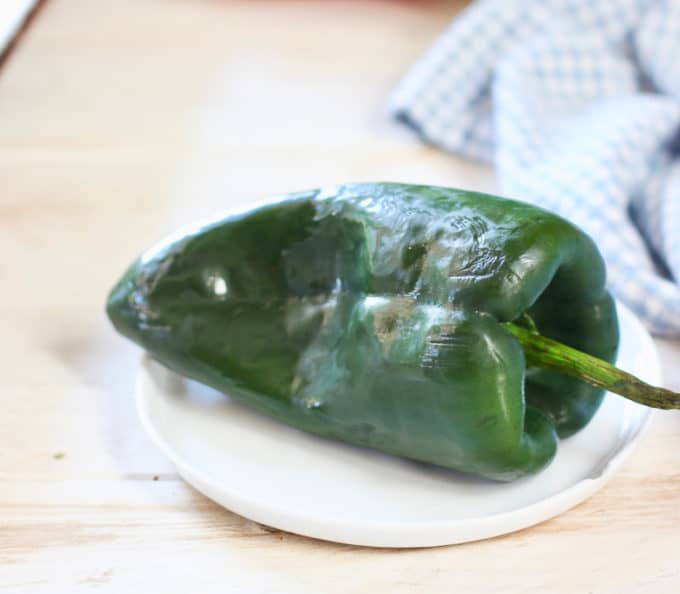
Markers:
point(541, 351)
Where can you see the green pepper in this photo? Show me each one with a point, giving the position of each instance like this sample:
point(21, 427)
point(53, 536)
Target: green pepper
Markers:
point(390, 316)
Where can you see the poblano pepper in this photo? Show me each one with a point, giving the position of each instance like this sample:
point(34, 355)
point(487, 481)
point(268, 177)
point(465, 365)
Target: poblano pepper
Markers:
point(387, 315)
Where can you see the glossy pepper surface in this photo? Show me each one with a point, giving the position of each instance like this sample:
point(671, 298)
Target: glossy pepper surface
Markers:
point(372, 313)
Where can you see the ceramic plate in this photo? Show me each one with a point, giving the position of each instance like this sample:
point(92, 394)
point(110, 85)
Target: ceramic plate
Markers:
point(284, 478)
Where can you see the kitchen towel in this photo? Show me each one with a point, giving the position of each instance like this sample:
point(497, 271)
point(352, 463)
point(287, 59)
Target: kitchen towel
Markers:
point(576, 103)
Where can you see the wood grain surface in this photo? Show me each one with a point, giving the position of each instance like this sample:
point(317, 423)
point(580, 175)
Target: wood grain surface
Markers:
point(120, 121)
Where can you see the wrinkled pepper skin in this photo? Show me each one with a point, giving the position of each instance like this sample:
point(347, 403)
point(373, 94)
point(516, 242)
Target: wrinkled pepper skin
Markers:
point(371, 313)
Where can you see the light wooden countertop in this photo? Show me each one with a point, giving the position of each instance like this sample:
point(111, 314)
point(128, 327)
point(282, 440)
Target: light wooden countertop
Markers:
point(120, 121)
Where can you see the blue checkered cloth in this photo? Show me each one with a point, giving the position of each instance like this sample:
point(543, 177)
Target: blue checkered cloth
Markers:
point(576, 103)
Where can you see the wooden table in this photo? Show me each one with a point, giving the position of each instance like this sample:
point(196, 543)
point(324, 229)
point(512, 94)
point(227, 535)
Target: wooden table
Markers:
point(119, 122)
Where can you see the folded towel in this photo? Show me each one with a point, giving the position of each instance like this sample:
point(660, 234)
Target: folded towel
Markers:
point(577, 105)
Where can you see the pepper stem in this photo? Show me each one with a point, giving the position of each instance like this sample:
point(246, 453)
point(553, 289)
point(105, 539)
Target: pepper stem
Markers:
point(540, 351)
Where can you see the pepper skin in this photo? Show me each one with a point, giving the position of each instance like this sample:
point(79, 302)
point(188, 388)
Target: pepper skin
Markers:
point(371, 313)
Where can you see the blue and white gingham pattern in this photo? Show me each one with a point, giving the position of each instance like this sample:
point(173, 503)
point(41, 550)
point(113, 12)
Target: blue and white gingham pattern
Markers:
point(577, 105)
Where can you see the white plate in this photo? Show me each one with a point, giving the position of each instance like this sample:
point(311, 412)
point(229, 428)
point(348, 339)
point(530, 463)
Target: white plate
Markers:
point(13, 13)
point(281, 477)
